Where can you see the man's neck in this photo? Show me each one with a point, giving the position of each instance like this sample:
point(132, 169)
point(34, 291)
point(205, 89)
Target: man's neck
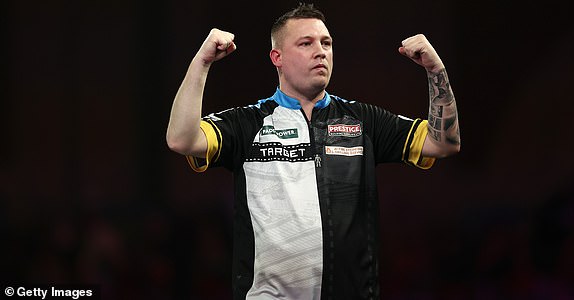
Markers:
point(306, 100)
point(307, 107)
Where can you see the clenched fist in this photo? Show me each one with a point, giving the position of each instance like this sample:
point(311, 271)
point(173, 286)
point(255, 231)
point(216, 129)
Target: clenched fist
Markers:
point(216, 46)
point(418, 49)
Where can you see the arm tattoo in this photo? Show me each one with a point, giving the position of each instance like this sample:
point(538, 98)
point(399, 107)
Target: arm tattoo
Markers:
point(443, 116)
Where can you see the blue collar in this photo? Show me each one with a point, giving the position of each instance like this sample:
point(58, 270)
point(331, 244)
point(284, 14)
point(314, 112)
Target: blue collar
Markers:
point(293, 103)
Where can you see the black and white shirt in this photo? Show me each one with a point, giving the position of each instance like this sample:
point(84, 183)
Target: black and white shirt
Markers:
point(306, 209)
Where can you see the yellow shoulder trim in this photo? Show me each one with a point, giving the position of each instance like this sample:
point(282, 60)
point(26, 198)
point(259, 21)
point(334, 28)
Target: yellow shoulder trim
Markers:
point(213, 148)
point(416, 147)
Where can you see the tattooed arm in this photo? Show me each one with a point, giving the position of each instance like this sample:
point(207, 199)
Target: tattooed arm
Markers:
point(444, 135)
point(443, 138)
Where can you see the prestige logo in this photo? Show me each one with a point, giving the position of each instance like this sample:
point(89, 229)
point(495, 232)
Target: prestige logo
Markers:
point(280, 133)
point(345, 130)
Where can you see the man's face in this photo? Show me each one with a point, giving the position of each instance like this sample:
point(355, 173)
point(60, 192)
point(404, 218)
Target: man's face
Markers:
point(306, 56)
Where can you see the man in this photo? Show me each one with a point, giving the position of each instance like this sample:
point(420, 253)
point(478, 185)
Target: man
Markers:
point(306, 208)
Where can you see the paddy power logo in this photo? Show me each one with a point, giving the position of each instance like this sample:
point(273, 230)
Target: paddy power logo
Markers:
point(290, 133)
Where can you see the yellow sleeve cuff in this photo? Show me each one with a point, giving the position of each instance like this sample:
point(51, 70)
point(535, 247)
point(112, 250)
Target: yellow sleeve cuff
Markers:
point(415, 143)
point(213, 137)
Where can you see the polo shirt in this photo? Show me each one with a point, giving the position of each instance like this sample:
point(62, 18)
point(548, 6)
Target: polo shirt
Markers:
point(306, 209)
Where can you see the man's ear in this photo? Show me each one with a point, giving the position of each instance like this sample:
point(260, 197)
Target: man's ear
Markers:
point(275, 56)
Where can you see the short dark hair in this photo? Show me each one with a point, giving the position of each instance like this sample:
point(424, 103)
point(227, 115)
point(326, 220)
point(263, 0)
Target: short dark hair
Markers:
point(302, 11)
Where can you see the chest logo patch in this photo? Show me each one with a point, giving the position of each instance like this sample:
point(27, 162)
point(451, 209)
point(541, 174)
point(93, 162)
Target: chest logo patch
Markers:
point(345, 130)
point(290, 133)
point(345, 151)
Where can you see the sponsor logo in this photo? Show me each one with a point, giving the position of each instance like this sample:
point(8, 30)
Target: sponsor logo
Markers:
point(281, 152)
point(345, 130)
point(353, 151)
point(280, 133)
point(278, 152)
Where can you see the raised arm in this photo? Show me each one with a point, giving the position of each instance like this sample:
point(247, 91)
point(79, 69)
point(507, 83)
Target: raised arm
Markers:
point(183, 133)
point(444, 134)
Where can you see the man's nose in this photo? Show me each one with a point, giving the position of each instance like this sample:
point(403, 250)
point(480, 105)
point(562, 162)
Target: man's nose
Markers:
point(320, 51)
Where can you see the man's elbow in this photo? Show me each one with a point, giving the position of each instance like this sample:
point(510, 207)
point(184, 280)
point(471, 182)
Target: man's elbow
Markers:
point(177, 146)
point(432, 148)
point(450, 150)
point(195, 147)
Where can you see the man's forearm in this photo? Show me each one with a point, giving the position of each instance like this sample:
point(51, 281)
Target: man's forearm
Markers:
point(443, 115)
point(183, 134)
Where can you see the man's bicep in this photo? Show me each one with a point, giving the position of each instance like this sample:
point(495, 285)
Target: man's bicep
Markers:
point(413, 153)
point(199, 149)
point(208, 147)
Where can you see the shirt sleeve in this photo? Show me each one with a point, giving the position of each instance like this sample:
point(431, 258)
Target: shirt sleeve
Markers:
point(229, 134)
point(396, 138)
point(223, 131)
point(412, 151)
point(214, 139)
